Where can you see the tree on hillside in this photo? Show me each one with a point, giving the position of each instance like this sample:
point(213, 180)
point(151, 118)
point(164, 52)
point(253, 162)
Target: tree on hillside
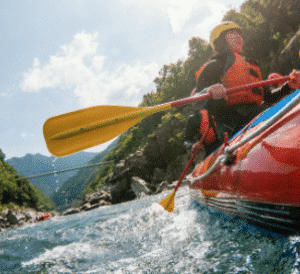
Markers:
point(177, 80)
point(2, 156)
point(199, 53)
point(18, 190)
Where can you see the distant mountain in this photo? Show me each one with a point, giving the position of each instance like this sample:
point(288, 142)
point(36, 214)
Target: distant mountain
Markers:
point(72, 189)
point(37, 164)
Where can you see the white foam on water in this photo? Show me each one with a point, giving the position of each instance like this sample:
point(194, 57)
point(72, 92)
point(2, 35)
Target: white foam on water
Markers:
point(156, 208)
point(141, 237)
point(180, 228)
point(65, 253)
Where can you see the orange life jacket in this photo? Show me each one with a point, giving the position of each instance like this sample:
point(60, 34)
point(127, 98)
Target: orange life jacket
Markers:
point(208, 121)
point(240, 73)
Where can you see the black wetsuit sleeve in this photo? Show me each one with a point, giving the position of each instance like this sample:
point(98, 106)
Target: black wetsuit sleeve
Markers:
point(210, 75)
point(272, 98)
point(192, 128)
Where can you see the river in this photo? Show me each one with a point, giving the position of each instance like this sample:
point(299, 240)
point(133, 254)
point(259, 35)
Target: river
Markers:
point(139, 237)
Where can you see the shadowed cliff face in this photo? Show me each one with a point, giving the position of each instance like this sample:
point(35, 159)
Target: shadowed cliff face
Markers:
point(154, 166)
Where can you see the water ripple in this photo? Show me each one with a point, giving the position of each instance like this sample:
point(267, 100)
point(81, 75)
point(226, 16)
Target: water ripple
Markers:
point(140, 237)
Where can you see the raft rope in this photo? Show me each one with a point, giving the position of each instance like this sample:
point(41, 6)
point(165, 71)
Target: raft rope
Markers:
point(229, 150)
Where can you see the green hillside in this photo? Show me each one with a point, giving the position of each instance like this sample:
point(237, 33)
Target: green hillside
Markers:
point(15, 189)
point(37, 164)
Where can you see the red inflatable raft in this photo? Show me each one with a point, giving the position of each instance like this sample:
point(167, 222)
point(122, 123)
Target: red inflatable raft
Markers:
point(256, 175)
point(43, 217)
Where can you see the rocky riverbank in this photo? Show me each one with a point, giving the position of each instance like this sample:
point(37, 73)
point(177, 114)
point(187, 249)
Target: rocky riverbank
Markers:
point(15, 217)
point(138, 189)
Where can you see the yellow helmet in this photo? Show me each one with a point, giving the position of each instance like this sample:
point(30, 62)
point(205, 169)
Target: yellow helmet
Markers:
point(219, 29)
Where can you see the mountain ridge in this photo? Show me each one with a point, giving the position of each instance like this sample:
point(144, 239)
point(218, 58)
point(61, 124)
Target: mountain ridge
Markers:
point(38, 164)
point(73, 188)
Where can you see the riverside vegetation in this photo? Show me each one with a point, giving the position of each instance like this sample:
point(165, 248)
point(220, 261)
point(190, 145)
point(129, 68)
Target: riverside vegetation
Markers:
point(20, 201)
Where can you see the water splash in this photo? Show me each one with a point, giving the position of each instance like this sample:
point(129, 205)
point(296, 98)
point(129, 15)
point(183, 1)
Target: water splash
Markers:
point(140, 237)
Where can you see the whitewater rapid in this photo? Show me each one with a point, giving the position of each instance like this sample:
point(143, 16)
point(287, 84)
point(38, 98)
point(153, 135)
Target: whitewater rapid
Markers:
point(140, 237)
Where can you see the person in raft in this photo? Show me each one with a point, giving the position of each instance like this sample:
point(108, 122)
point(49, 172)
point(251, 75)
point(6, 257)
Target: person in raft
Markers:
point(222, 113)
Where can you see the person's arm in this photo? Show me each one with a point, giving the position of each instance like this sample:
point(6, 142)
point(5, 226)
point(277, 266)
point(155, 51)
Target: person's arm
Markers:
point(210, 75)
point(272, 97)
point(192, 130)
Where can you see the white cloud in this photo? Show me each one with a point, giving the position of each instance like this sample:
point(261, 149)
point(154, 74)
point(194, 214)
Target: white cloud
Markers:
point(218, 10)
point(65, 68)
point(5, 94)
point(78, 66)
point(179, 12)
point(27, 135)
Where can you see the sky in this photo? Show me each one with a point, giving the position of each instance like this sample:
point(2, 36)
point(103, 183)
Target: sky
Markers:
point(59, 56)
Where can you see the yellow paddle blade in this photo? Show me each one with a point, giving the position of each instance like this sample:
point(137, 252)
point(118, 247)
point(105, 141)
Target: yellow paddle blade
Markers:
point(168, 202)
point(75, 131)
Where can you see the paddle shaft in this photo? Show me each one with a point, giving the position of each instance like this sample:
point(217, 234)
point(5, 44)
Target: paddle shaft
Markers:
point(185, 171)
point(168, 202)
point(202, 97)
point(144, 112)
point(190, 162)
